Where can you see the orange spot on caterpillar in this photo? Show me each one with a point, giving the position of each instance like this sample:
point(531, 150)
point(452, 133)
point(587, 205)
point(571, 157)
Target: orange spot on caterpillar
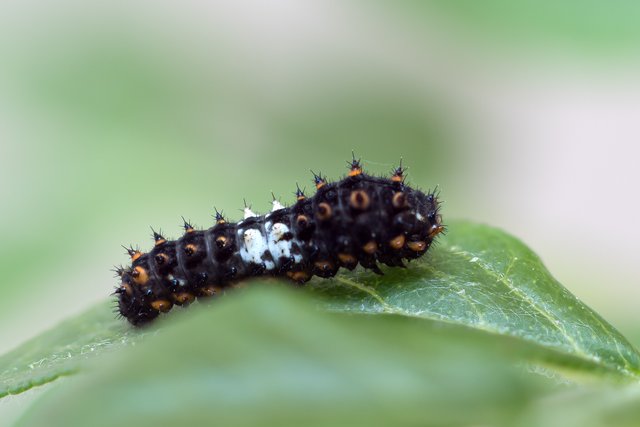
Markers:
point(161, 305)
point(302, 221)
point(398, 174)
point(219, 217)
point(356, 168)
point(399, 200)
point(183, 298)
point(221, 241)
point(347, 259)
point(324, 211)
point(161, 259)
point(359, 199)
point(319, 180)
point(417, 246)
point(370, 247)
point(397, 242)
point(209, 291)
point(188, 228)
point(299, 194)
point(140, 275)
point(435, 230)
point(158, 238)
point(133, 253)
point(298, 276)
point(323, 265)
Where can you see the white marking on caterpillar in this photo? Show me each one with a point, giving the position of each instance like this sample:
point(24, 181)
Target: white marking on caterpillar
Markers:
point(277, 245)
point(253, 247)
point(248, 213)
point(276, 206)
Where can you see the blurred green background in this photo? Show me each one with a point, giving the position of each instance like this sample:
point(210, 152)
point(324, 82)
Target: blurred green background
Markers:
point(118, 116)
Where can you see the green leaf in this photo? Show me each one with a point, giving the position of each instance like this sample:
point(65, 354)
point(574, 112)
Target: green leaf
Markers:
point(267, 357)
point(476, 276)
point(592, 406)
point(483, 278)
point(60, 351)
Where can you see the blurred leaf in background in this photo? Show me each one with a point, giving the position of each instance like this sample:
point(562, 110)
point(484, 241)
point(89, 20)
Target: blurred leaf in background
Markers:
point(117, 116)
point(588, 27)
point(117, 131)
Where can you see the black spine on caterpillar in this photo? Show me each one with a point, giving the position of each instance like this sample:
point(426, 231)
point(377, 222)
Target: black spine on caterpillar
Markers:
point(360, 219)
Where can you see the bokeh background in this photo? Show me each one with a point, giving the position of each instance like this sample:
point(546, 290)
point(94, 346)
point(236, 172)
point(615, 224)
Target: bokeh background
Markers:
point(115, 116)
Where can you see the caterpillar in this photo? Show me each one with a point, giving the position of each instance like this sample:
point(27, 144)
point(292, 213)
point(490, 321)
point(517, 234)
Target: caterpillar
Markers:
point(361, 219)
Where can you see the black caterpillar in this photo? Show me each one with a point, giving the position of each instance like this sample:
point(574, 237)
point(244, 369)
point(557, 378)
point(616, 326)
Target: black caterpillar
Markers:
point(360, 219)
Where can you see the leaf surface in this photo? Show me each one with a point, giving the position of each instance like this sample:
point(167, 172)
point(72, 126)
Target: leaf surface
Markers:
point(268, 357)
point(477, 277)
point(481, 277)
point(62, 350)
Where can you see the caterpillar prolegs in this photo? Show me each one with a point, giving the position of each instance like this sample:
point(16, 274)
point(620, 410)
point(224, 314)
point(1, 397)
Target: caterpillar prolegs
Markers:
point(361, 219)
